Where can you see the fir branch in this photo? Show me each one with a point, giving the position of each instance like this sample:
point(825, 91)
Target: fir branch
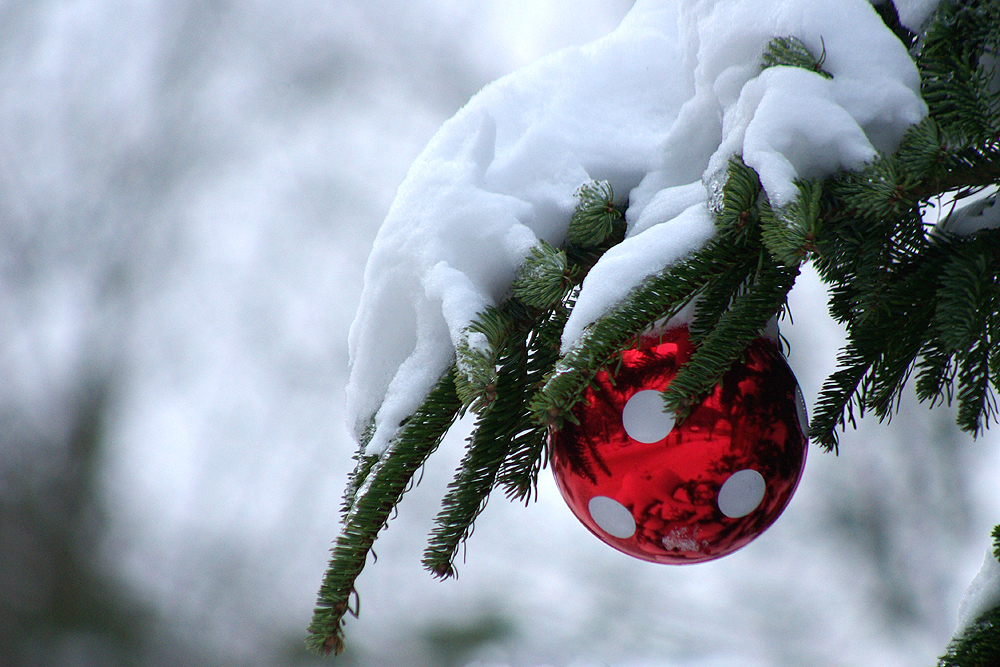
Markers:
point(935, 375)
point(881, 191)
point(356, 480)
point(526, 456)
point(476, 357)
point(718, 293)
point(739, 223)
point(659, 297)
point(418, 437)
point(887, 312)
point(789, 233)
point(954, 78)
point(596, 217)
point(737, 217)
point(483, 342)
point(975, 402)
point(899, 321)
point(924, 152)
point(544, 278)
point(978, 645)
point(931, 305)
point(476, 476)
point(837, 398)
point(960, 298)
point(733, 332)
point(715, 274)
point(505, 432)
point(792, 52)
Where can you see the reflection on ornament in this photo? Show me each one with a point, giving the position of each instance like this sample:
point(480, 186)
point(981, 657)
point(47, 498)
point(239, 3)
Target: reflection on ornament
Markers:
point(687, 492)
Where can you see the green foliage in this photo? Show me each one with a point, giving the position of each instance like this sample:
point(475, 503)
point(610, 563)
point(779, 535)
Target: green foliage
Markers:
point(488, 446)
point(525, 456)
point(384, 483)
point(957, 61)
point(596, 219)
point(898, 288)
point(978, 645)
point(476, 357)
point(789, 233)
point(503, 449)
point(916, 302)
point(792, 52)
point(543, 279)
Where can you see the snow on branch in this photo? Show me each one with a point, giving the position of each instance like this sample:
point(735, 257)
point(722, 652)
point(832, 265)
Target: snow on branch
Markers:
point(656, 110)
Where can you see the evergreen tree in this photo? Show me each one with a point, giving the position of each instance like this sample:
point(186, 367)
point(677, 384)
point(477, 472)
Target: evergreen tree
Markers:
point(917, 302)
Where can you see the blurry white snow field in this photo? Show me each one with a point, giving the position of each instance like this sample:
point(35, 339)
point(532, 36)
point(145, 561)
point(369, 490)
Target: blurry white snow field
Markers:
point(190, 191)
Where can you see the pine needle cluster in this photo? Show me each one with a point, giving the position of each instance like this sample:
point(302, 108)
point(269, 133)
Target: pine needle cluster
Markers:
point(917, 301)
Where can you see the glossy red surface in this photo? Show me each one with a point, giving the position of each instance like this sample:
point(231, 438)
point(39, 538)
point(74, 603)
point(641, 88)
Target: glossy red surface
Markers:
point(662, 499)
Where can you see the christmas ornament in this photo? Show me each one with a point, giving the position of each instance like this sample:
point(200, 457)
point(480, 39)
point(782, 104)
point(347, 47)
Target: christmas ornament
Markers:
point(687, 492)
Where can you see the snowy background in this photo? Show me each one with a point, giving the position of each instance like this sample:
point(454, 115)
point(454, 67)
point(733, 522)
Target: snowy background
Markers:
point(188, 192)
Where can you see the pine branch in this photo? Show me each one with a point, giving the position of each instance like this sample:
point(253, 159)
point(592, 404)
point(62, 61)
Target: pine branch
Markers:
point(733, 332)
point(713, 274)
point(659, 297)
point(357, 478)
point(500, 372)
point(954, 77)
point(838, 397)
point(476, 476)
point(596, 219)
point(384, 484)
point(978, 645)
point(519, 475)
point(789, 234)
point(544, 279)
point(792, 52)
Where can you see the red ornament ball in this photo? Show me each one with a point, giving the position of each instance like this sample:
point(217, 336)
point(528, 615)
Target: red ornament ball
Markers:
point(689, 492)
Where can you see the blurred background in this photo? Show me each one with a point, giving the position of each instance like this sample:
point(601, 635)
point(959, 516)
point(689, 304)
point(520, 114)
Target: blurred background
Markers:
point(188, 193)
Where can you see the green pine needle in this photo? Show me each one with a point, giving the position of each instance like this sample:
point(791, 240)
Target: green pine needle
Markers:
point(734, 331)
point(596, 217)
point(789, 233)
point(737, 218)
point(544, 278)
point(476, 476)
point(384, 485)
point(792, 52)
point(979, 644)
point(659, 297)
point(526, 457)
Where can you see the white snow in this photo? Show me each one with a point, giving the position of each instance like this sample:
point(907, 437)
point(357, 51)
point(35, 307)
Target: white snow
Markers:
point(982, 595)
point(978, 214)
point(913, 13)
point(657, 108)
point(625, 265)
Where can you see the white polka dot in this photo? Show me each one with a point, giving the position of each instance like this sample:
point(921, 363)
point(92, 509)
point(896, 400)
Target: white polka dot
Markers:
point(742, 493)
point(611, 516)
point(800, 407)
point(644, 419)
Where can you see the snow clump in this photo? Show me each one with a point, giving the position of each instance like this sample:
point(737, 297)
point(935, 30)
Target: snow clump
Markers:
point(982, 595)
